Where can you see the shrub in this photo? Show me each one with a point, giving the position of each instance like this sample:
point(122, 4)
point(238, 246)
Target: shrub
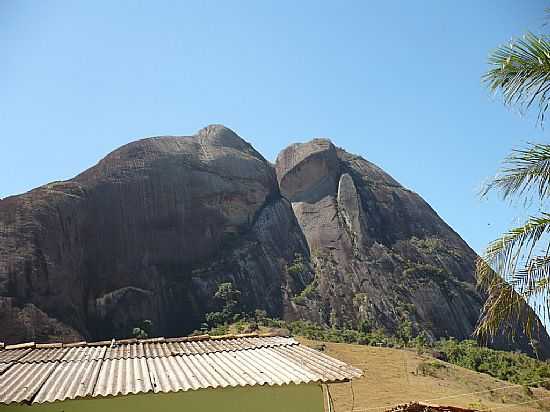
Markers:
point(228, 298)
point(514, 367)
point(429, 368)
point(143, 331)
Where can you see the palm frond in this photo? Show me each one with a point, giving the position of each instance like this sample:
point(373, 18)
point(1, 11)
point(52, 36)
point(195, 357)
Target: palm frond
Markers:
point(534, 279)
point(508, 253)
point(504, 308)
point(533, 283)
point(521, 73)
point(511, 277)
point(524, 170)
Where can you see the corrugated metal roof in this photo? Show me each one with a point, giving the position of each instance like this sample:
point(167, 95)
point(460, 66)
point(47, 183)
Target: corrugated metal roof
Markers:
point(173, 348)
point(128, 367)
point(123, 376)
point(85, 353)
point(23, 380)
point(70, 380)
point(9, 355)
point(125, 351)
point(158, 349)
point(43, 355)
point(4, 366)
point(221, 369)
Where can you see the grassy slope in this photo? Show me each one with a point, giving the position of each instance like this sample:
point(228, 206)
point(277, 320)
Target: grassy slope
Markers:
point(394, 376)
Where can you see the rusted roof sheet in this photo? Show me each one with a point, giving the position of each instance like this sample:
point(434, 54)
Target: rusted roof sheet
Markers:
point(129, 367)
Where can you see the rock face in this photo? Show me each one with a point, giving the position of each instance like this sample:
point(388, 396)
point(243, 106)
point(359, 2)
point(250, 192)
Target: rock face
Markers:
point(148, 233)
point(154, 227)
point(380, 255)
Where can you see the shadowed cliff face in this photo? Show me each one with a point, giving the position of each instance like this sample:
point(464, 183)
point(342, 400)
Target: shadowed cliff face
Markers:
point(148, 233)
point(154, 227)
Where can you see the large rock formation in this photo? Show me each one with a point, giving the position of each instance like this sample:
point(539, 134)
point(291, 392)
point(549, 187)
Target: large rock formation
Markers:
point(147, 233)
point(381, 257)
point(154, 227)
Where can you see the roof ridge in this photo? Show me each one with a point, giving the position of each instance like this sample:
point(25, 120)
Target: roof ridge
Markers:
point(131, 341)
point(20, 346)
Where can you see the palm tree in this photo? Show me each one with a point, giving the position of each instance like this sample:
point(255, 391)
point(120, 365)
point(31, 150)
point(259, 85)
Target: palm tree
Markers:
point(515, 268)
point(521, 73)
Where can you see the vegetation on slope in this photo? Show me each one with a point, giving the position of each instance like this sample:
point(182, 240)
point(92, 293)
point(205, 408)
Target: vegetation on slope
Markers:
point(509, 366)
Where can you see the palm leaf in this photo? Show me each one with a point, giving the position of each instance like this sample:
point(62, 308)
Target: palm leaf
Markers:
point(504, 309)
point(524, 170)
point(535, 278)
point(521, 73)
point(511, 277)
point(506, 254)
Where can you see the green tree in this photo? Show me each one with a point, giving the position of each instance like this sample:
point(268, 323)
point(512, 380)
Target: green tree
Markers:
point(519, 260)
point(229, 299)
point(229, 296)
point(144, 330)
point(405, 331)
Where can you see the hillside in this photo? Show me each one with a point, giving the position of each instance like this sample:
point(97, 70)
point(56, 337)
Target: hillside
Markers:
point(153, 229)
point(394, 376)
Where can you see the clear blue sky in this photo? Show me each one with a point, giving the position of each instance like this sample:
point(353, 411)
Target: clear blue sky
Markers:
point(396, 82)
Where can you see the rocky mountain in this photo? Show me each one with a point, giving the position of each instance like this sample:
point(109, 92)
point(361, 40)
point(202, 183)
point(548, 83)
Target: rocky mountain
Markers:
point(154, 227)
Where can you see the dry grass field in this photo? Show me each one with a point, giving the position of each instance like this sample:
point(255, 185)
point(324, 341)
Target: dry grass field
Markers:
point(393, 376)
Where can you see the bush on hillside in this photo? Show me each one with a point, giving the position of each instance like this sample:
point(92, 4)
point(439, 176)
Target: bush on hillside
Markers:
point(509, 366)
